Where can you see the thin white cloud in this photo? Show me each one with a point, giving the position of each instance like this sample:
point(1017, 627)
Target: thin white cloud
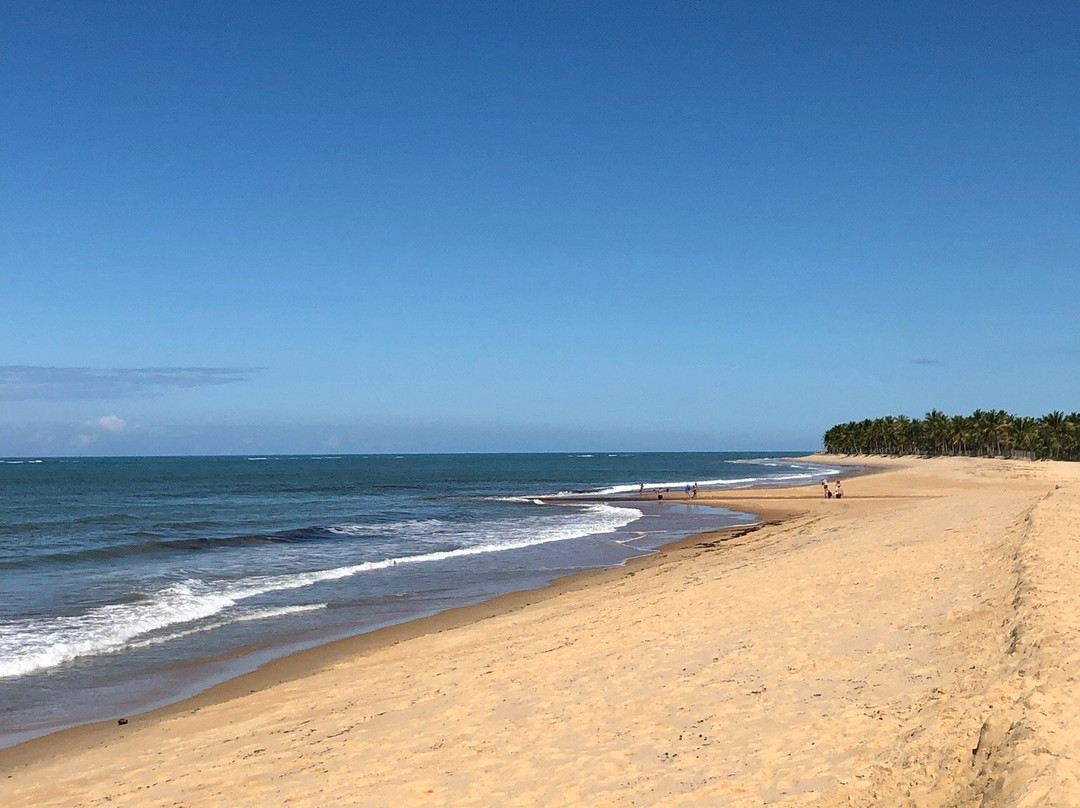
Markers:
point(37, 383)
point(104, 428)
point(111, 423)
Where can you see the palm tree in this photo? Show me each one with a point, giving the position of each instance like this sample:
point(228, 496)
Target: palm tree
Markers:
point(905, 434)
point(1022, 434)
point(961, 434)
point(991, 426)
point(1053, 425)
point(984, 432)
point(938, 427)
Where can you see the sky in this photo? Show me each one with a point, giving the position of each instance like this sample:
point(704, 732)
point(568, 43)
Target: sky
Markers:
point(231, 227)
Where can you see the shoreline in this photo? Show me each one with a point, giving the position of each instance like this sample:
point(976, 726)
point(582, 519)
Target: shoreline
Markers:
point(311, 658)
point(305, 662)
point(188, 679)
point(71, 702)
point(850, 652)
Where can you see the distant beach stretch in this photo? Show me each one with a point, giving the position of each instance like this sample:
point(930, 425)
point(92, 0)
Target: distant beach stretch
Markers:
point(913, 643)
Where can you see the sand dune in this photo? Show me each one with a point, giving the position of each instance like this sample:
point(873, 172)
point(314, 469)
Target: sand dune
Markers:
point(914, 644)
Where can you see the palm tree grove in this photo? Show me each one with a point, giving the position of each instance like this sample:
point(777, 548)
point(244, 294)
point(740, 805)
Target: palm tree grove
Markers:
point(984, 433)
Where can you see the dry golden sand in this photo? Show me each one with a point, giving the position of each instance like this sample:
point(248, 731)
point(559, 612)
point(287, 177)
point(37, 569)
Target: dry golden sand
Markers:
point(914, 644)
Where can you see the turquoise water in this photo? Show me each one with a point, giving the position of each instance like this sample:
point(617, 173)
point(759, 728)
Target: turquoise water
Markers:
point(130, 582)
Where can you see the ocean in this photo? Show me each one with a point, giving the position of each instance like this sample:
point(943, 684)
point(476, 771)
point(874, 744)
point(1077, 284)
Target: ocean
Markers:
point(129, 583)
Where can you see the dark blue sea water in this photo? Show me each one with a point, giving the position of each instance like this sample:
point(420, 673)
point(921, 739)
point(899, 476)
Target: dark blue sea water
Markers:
point(126, 583)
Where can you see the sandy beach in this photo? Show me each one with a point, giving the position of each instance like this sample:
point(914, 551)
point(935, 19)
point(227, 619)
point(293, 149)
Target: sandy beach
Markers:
point(914, 644)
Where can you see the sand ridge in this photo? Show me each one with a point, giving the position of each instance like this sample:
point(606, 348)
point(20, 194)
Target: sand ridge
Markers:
point(913, 644)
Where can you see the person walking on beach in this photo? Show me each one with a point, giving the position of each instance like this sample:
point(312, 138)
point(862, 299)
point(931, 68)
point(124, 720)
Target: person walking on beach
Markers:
point(825, 487)
point(839, 490)
point(641, 490)
point(693, 491)
point(687, 489)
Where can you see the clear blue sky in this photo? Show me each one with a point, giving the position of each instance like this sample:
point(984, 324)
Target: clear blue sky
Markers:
point(327, 227)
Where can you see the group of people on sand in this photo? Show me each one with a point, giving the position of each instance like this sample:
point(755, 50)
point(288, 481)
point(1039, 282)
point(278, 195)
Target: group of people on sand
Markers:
point(829, 493)
point(691, 491)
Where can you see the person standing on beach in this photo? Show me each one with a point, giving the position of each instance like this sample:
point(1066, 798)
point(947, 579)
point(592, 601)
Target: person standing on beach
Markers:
point(825, 487)
point(839, 490)
point(687, 489)
point(693, 490)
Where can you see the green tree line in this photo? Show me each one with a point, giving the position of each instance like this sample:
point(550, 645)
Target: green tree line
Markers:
point(984, 433)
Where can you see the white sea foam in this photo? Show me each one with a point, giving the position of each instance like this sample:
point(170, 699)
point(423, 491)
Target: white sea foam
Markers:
point(798, 472)
point(34, 644)
point(244, 617)
point(37, 644)
point(409, 527)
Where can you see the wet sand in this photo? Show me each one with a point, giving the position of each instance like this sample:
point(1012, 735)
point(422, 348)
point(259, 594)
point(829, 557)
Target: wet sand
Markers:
point(913, 644)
